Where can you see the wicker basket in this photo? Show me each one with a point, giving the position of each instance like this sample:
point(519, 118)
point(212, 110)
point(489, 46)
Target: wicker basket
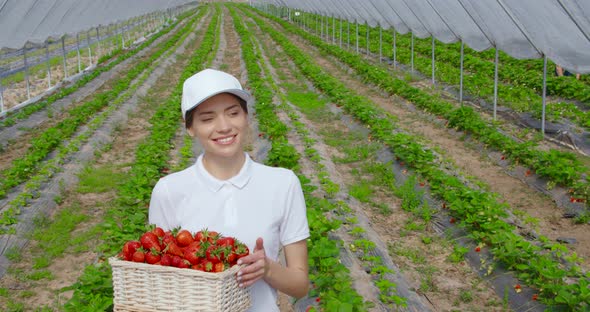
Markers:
point(146, 287)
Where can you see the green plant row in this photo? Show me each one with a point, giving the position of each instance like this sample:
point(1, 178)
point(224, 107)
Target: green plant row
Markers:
point(519, 73)
point(480, 76)
point(478, 212)
point(331, 279)
point(27, 165)
point(12, 117)
point(127, 219)
point(561, 168)
point(49, 168)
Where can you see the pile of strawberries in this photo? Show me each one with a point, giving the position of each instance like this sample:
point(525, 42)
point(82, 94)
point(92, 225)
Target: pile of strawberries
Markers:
point(206, 250)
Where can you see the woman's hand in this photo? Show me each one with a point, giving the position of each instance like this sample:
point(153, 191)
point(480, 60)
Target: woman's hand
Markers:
point(257, 265)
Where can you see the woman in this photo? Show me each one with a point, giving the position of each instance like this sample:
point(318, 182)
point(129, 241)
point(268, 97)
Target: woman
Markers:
point(226, 191)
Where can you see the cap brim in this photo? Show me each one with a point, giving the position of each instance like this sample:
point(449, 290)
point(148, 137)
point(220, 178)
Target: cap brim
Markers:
point(242, 94)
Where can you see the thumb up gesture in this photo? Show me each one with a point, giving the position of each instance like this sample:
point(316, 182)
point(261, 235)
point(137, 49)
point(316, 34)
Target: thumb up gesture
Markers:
point(257, 265)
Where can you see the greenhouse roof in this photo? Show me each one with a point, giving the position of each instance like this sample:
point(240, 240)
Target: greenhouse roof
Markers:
point(24, 21)
point(559, 29)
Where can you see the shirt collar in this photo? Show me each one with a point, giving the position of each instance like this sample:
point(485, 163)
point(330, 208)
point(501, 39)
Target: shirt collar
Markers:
point(240, 180)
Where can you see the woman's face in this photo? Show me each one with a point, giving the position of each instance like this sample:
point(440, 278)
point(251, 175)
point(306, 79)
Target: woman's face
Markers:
point(221, 125)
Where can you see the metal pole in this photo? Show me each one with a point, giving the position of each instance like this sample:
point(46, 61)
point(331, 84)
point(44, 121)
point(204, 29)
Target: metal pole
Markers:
point(341, 33)
point(122, 30)
point(432, 60)
point(412, 54)
point(89, 48)
point(380, 43)
point(367, 24)
point(322, 32)
point(496, 84)
point(333, 30)
point(48, 65)
point(27, 72)
point(544, 94)
point(357, 37)
point(63, 48)
point(78, 51)
point(461, 76)
point(348, 35)
point(98, 52)
point(1, 97)
point(394, 49)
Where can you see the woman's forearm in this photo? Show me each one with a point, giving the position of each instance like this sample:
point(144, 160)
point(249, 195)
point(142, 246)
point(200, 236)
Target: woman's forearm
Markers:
point(293, 281)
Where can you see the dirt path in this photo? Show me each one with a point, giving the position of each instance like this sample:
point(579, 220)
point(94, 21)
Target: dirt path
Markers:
point(116, 157)
point(466, 158)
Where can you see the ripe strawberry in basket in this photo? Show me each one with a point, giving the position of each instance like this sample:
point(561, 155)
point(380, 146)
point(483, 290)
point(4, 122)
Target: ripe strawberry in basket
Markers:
point(184, 238)
point(149, 240)
point(129, 249)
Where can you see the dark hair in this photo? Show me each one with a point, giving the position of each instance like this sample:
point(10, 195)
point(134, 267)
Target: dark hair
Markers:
point(188, 121)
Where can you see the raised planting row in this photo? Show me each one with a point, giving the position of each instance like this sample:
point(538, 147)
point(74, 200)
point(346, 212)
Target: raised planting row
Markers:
point(330, 278)
point(560, 168)
point(128, 217)
point(49, 168)
point(480, 213)
point(12, 117)
point(26, 166)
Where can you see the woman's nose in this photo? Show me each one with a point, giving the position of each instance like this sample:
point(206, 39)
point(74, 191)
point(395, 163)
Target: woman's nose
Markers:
point(223, 124)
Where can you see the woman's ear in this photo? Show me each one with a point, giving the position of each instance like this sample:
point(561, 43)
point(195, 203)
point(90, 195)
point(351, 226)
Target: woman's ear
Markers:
point(190, 132)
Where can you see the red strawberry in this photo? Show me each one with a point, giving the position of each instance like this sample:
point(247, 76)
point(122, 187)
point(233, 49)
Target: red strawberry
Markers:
point(149, 240)
point(219, 267)
point(535, 297)
point(166, 260)
point(173, 249)
point(477, 249)
point(452, 220)
point(152, 256)
point(129, 249)
point(242, 250)
point(184, 238)
point(138, 256)
point(158, 231)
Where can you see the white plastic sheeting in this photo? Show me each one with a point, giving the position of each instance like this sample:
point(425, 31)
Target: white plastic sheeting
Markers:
point(558, 29)
point(24, 21)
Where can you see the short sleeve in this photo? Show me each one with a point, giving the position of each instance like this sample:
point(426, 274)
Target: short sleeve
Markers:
point(294, 226)
point(157, 211)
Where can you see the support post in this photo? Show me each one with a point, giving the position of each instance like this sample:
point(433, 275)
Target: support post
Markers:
point(394, 48)
point(357, 37)
point(544, 94)
point(433, 61)
point(461, 75)
point(412, 54)
point(78, 52)
point(496, 83)
point(89, 47)
point(341, 33)
point(27, 72)
point(334, 28)
point(367, 25)
point(322, 28)
point(63, 48)
point(48, 63)
point(1, 97)
point(380, 43)
point(348, 35)
point(99, 48)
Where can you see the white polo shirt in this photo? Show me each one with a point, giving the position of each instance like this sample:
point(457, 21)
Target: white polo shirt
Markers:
point(260, 201)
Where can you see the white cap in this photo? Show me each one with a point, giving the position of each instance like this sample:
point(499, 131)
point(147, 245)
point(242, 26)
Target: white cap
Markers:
point(207, 83)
